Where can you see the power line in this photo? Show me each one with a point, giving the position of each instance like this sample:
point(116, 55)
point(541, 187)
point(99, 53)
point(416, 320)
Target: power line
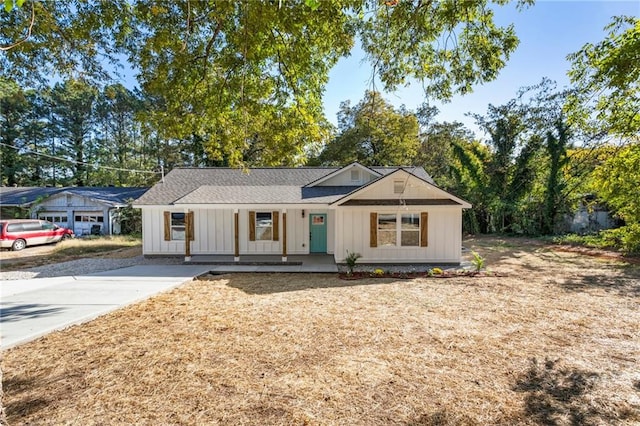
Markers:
point(29, 151)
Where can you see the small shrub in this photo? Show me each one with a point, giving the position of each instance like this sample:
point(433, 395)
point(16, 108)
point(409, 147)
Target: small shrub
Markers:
point(378, 272)
point(478, 261)
point(436, 271)
point(351, 259)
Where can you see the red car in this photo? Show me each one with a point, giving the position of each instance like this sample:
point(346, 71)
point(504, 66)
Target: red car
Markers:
point(17, 234)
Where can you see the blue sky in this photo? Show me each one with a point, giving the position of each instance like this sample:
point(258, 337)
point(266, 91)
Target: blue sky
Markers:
point(548, 32)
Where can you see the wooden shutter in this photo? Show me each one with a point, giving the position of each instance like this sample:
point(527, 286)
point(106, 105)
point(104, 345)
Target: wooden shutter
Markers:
point(424, 226)
point(167, 226)
point(373, 230)
point(252, 226)
point(275, 216)
point(189, 226)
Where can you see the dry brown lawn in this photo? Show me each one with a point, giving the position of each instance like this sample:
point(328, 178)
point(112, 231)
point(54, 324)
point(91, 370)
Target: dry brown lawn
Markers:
point(554, 341)
point(108, 247)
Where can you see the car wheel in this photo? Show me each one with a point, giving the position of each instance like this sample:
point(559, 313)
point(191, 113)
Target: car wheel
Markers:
point(18, 245)
point(65, 237)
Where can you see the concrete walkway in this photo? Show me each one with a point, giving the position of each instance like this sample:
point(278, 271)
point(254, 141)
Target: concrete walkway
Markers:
point(32, 308)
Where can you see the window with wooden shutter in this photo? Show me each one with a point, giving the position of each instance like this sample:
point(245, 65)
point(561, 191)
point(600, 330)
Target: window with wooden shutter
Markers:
point(167, 226)
point(262, 226)
point(424, 226)
point(373, 230)
point(387, 229)
point(409, 229)
point(276, 225)
point(252, 226)
point(176, 226)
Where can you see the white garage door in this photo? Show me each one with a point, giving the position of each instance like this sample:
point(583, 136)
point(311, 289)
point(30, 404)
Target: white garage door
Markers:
point(59, 218)
point(87, 223)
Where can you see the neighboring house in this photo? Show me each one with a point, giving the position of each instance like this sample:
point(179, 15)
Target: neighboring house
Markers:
point(590, 217)
point(387, 214)
point(82, 209)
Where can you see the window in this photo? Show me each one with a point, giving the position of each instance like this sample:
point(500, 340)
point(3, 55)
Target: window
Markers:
point(399, 229)
point(264, 226)
point(355, 175)
point(14, 227)
point(53, 218)
point(178, 226)
point(398, 186)
point(410, 229)
point(31, 226)
point(89, 218)
point(387, 232)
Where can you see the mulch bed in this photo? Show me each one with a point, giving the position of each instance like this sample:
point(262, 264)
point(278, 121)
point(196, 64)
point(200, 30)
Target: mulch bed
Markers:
point(360, 275)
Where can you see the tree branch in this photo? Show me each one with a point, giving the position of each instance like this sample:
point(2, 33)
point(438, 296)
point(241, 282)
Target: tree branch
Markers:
point(28, 35)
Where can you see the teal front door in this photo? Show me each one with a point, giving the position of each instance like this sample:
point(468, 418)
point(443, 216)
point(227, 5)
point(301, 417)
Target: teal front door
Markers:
point(318, 233)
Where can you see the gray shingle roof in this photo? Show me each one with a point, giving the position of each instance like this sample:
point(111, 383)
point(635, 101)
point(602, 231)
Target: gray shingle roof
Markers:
point(272, 194)
point(109, 195)
point(24, 196)
point(219, 185)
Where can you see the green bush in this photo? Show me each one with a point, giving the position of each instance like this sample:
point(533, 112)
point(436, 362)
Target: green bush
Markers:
point(625, 239)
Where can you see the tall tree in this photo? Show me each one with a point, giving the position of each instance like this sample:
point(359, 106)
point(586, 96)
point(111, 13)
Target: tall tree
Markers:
point(511, 170)
point(36, 140)
point(547, 120)
point(437, 152)
point(232, 72)
point(606, 76)
point(74, 113)
point(117, 134)
point(13, 108)
point(373, 133)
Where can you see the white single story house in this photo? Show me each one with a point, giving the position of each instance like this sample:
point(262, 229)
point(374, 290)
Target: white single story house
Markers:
point(82, 209)
point(387, 214)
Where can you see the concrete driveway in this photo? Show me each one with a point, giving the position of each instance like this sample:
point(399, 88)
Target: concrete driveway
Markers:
point(32, 308)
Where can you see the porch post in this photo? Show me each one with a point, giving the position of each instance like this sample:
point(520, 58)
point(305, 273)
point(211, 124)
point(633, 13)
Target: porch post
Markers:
point(284, 235)
point(187, 237)
point(236, 236)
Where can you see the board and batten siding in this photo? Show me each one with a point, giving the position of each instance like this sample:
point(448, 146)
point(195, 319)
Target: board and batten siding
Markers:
point(443, 227)
point(214, 229)
point(297, 232)
point(153, 242)
point(213, 232)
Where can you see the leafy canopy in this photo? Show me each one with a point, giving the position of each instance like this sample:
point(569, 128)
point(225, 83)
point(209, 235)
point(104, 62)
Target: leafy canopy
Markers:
point(373, 133)
point(237, 73)
point(606, 76)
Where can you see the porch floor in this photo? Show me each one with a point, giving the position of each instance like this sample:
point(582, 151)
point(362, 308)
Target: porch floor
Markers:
point(267, 263)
